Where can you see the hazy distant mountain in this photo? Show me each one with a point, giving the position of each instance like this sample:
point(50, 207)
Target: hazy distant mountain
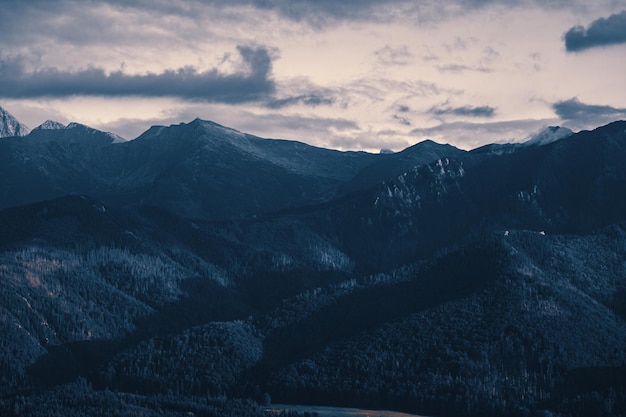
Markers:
point(10, 126)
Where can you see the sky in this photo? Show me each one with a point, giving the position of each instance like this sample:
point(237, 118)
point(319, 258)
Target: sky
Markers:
point(349, 75)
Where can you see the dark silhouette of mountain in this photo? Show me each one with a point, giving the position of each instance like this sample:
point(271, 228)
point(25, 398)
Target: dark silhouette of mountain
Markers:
point(390, 165)
point(199, 169)
point(197, 263)
point(202, 169)
point(50, 163)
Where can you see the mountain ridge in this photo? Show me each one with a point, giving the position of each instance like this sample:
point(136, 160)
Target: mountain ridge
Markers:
point(181, 167)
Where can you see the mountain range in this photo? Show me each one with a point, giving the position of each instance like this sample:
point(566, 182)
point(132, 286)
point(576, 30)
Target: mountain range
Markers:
point(200, 269)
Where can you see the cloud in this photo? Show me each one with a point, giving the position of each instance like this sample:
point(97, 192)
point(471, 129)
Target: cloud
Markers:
point(371, 141)
point(311, 100)
point(54, 17)
point(402, 120)
point(315, 12)
point(378, 88)
point(581, 114)
point(251, 82)
point(309, 124)
point(456, 68)
point(310, 129)
point(331, 132)
point(468, 111)
point(394, 56)
point(601, 32)
point(321, 12)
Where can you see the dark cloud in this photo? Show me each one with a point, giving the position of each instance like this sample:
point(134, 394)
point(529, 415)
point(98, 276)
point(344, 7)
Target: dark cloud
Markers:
point(251, 82)
point(315, 12)
point(403, 108)
point(468, 111)
point(311, 100)
point(402, 120)
point(323, 11)
point(580, 113)
point(601, 32)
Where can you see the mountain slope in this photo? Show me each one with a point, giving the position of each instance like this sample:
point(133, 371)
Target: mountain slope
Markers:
point(520, 341)
point(10, 126)
point(574, 185)
point(50, 163)
point(199, 169)
point(202, 169)
point(444, 202)
point(81, 280)
point(388, 166)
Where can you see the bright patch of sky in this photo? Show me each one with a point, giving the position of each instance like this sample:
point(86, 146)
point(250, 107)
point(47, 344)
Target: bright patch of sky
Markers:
point(359, 75)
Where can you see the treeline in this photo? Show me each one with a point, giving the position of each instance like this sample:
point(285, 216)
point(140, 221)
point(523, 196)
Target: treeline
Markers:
point(79, 399)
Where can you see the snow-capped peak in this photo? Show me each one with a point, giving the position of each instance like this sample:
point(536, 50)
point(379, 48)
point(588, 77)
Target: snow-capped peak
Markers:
point(10, 126)
point(51, 125)
point(548, 135)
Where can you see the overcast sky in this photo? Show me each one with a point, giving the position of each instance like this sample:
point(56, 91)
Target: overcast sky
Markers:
point(350, 74)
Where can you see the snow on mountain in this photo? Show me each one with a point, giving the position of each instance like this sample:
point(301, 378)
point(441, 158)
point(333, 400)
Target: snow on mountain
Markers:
point(10, 126)
point(82, 131)
point(548, 135)
point(50, 125)
point(116, 138)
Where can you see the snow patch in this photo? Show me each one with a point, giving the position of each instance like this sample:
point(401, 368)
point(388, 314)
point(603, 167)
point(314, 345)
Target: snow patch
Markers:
point(10, 126)
point(116, 138)
point(548, 135)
